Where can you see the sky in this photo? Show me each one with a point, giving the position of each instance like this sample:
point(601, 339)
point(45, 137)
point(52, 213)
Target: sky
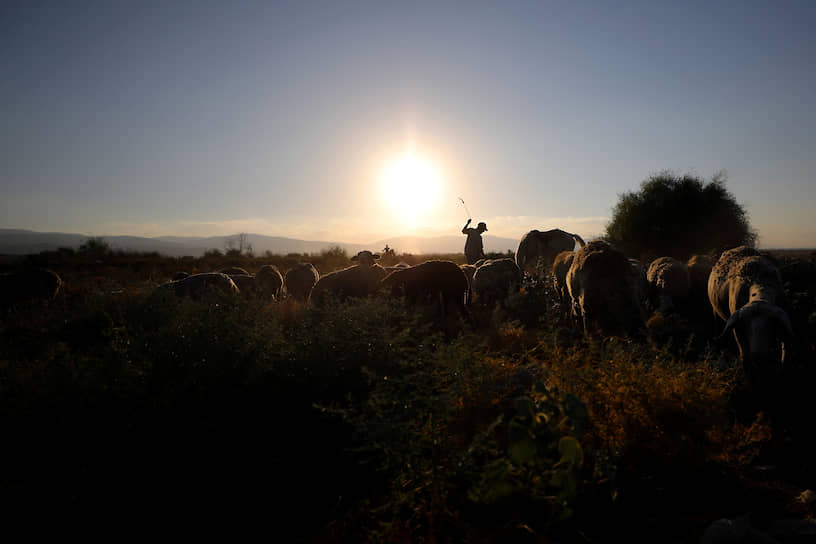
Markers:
point(282, 118)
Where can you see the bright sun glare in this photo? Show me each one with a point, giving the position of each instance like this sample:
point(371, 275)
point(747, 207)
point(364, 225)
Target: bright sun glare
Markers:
point(410, 186)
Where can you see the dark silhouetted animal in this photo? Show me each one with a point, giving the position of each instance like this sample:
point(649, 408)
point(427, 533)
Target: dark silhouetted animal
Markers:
point(494, 280)
point(441, 281)
point(359, 280)
point(29, 284)
point(300, 280)
point(199, 285)
point(603, 291)
point(669, 283)
point(544, 245)
point(268, 281)
point(745, 290)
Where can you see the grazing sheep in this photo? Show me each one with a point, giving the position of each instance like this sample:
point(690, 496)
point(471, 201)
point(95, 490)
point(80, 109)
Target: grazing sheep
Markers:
point(745, 290)
point(668, 282)
point(561, 266)
point(359, 280)
point(198, 285)
point(25, 285)
point(234, 270)
point(442, 281)
point(699, 268)
point(269, 281)
point(640, 279)
point(469, 270)
point(495, 280)
point(246, 283)
point(545, 245)
point(603, 291)
point(299, 281)
point(180, 275)
point(399, 266)
point(698, 307)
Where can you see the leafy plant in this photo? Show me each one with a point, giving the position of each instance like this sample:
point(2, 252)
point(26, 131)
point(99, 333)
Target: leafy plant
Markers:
point(678, 216)
point(544, 459)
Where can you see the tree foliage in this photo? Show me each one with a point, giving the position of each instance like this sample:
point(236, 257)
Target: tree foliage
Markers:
point(679, 216)
point(95, 246)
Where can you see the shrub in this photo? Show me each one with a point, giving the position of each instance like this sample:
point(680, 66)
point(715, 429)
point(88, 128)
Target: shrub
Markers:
point(678, 217)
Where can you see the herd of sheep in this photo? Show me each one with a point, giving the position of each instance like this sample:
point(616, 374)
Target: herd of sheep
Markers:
point(598, 286)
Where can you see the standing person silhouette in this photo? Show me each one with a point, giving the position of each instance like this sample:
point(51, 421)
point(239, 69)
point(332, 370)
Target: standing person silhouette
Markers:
point(474, 250)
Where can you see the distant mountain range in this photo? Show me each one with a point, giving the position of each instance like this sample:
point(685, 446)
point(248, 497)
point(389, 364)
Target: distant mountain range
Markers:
point(24, 242)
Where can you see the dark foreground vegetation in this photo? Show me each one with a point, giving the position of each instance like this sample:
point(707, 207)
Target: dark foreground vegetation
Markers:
point(367, 421)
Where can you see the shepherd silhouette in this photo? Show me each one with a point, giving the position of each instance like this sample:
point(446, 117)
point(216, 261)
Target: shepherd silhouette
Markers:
point(474, 250)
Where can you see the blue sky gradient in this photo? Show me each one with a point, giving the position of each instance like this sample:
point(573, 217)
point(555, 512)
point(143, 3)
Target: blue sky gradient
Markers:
point(194, 117)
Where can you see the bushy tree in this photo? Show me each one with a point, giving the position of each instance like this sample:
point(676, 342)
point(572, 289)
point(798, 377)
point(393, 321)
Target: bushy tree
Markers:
point(679, 216)
point(95, 246)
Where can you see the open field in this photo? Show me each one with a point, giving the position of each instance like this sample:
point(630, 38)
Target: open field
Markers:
point(367, 421)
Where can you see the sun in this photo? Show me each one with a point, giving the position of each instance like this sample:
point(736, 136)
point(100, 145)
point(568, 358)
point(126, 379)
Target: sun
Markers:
point(410, 185)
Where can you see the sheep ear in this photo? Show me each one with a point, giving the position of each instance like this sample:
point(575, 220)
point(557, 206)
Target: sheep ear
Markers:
point(732, 322)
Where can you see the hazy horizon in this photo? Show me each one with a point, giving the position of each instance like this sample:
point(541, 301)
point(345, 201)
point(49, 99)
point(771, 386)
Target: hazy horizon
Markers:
point(280, 118)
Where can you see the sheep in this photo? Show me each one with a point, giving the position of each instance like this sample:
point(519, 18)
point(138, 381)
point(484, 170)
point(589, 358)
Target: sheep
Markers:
point(246, 283)
point(603, 291)
point(198, 285)
point(440, 280)
point(545, 245)
point(299, 281)
point(469, 270)
point(234, 270)
point(399, 266)
point(359, 280)
point(699, 308)
point(699, 268)
point(561, 266)
point(640, 279)
point(745, 290)
point(29, 284)
point(495, 279)
point(269, 281)
point(668, 282)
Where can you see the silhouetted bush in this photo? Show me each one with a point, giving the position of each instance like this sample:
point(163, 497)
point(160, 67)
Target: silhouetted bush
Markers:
point(678, 216)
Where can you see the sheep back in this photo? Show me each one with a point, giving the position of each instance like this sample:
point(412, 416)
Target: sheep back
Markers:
point(669, 277)
point(246, 283)
point(300, 280)
point(545, 245)
point(269, 281)
point(602, 290)
point(431, 279)
point(495, 280)
point(355, 281)
point(561, 266)
point(234, 270)
point(731, 280)
point(30, 284)
point(199, 285)
point(699, 268)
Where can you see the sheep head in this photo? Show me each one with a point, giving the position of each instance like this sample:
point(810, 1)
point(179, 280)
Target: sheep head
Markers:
point(366, 258)
point(761, 330)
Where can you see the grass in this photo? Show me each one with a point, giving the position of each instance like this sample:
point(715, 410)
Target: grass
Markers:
point(367, 421)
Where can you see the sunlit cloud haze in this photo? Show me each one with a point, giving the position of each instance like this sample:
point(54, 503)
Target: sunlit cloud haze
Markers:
point(278, 118)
